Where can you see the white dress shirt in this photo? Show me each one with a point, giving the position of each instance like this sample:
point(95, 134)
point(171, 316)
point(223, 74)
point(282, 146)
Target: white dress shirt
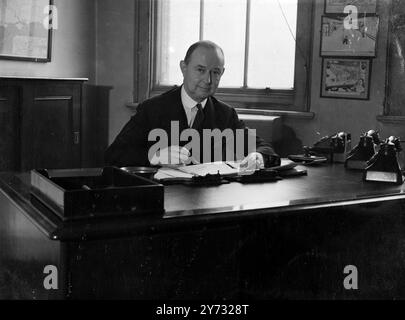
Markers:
point(189, 106)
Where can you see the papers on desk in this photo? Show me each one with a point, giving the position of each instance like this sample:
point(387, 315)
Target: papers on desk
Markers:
point(225, 169)
point(185, 173)
point(222, 168)
point(169, 174)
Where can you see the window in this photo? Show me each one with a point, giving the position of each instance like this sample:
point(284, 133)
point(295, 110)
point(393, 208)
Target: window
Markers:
point(260, 50)
point(394, 111)
point(266, 45)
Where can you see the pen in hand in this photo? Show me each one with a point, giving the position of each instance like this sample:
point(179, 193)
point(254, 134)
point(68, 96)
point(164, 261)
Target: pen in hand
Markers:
point(193, 160)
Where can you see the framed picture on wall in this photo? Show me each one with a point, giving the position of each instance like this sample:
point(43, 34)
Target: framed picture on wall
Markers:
point(26, 29)
point(338, 6)
point(337, 40)
point(346, 78)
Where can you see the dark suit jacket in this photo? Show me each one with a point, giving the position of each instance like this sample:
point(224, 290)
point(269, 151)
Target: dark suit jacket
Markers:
point(131, 146)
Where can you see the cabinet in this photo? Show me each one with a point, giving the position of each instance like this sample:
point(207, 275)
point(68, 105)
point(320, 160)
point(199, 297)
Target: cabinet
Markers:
point(45, 122)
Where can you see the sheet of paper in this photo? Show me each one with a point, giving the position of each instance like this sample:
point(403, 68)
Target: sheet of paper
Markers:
point(172, 174)
point(210, 168)
point(286, 164)
point(229, 168)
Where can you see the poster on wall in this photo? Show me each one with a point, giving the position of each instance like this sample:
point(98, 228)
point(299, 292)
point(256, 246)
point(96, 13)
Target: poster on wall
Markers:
point(345, 78)
point(338, 6)
point(337, 40)
point(26, 30)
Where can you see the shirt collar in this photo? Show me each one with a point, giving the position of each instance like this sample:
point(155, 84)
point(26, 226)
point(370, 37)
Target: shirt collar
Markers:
point(188, 102)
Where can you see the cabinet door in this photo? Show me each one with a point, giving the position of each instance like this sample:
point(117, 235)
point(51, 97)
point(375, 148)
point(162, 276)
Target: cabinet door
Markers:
point(9, 126)
point(51, 125)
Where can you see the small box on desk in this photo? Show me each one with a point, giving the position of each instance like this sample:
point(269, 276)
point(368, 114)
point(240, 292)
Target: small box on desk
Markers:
point(98, 192)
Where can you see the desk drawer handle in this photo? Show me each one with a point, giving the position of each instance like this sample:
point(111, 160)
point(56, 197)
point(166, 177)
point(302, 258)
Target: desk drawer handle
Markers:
point(76, 137)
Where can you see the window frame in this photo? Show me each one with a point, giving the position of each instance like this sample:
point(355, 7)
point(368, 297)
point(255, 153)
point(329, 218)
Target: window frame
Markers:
point(296, 99)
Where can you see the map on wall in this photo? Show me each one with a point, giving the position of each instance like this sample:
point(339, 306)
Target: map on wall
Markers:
point(25, 29)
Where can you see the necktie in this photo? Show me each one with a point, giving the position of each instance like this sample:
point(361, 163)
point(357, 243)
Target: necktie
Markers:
point(199, 117)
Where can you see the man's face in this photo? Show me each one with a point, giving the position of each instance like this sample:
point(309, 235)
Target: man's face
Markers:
point(203, 73)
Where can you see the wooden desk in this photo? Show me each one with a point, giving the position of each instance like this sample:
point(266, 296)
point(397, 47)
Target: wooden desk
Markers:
point(286, 239)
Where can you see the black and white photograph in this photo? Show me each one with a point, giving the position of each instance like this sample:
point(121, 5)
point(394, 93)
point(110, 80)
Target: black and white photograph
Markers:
point(202, 158)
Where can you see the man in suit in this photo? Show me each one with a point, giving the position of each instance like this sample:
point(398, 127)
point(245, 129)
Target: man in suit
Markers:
point(191, 106)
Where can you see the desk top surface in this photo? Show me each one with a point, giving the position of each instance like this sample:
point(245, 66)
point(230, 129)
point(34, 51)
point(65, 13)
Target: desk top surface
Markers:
point(324, 186)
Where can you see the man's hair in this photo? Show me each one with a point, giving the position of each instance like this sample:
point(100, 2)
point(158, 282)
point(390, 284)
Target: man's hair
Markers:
point(203, 43)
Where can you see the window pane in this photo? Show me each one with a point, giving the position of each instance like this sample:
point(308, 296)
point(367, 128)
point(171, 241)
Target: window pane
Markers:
point(272, 47)
point(178, 27)
point(225, 24)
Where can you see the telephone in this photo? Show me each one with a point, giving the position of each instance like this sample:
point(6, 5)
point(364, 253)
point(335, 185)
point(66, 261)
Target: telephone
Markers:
point(363, 151)
point(384, 166)
point(333, 148)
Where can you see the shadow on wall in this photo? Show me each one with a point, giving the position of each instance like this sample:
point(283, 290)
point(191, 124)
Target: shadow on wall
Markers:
point(289, 143)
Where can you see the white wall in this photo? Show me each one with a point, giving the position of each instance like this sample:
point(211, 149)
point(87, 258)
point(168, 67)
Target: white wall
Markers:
point(115, 57)
point(73, 45)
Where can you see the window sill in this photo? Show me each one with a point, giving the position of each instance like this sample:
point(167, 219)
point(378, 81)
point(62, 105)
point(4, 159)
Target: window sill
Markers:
point(259, 112)
point(391, 119)
point(281, 113)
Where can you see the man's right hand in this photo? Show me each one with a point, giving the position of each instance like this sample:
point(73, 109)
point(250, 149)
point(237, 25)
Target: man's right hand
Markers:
point(173, 155)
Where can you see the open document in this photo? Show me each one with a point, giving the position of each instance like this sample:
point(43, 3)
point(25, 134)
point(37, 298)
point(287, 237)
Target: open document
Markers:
point(184, 173)
point(226, 169)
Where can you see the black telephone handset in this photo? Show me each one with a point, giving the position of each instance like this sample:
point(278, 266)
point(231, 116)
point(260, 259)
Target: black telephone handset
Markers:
point(363, 151)
point(332, 148)
point(384, 166)
point(335, 147)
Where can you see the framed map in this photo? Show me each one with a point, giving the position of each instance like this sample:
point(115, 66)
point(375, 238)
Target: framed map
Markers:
point(26, 30)
point(346, 78)
point(337, 40)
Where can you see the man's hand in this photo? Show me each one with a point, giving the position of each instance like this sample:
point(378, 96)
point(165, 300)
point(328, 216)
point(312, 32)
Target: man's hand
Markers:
point(173, 155)
point(254, 161)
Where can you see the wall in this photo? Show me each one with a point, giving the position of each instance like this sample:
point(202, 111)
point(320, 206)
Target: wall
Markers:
point(94, 40)
point(115, 58)
point(108, 60)
point(115, 52)
point(354, 116)
point(73, 45)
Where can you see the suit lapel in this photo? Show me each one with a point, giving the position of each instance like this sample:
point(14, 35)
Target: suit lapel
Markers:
point(174, 111)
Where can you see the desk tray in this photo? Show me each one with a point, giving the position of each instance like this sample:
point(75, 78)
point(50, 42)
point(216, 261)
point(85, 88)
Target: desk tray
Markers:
point(95, 192)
